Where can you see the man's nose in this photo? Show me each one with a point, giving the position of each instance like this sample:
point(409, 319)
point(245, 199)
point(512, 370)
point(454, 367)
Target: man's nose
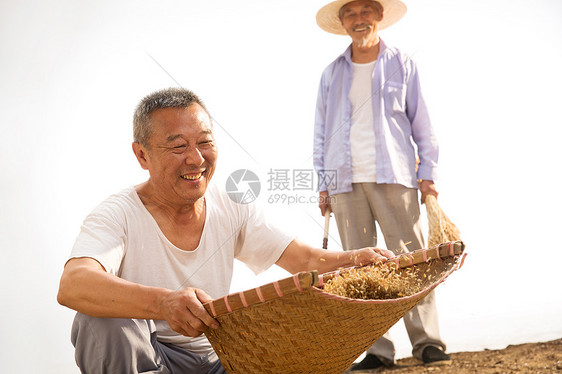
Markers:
point(193, 156)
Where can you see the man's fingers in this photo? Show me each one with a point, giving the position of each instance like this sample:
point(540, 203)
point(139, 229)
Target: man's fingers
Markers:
point(379, 259)
point(190, 324)
point(200, 312)
point(370, 255)
point(186, 324)
point(186, 314)
point(202, 296)
point(324, 202)
point(193, 324)
point(187, 330)
point(323, 206)
point(379, 255)
point(198, 315)
point(384, 252)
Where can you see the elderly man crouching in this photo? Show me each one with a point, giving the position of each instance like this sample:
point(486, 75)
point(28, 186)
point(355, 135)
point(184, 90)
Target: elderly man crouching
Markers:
point(148, 257)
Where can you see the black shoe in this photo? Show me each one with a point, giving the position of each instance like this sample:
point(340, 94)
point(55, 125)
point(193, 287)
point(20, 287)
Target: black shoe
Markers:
point(369, 362)
point(434, 356)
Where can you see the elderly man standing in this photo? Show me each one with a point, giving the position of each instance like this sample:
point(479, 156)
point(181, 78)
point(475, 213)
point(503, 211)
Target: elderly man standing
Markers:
point(371, 127)
point(147, 258)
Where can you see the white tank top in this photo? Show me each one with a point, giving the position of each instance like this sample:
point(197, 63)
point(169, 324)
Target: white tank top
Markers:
point(362, 135)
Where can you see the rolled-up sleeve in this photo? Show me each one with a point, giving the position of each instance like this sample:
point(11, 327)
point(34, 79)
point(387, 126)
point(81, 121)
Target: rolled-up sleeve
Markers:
point(423, 132)
point(319, 131)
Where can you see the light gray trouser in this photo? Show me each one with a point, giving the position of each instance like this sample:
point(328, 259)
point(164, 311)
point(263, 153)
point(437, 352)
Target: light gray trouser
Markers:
point(397, 211)
point(121, 346)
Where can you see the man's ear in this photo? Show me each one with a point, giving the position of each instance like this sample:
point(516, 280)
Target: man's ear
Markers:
point(141, 154)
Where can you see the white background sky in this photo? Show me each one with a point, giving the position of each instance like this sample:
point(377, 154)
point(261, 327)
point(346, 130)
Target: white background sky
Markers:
point(72, 72)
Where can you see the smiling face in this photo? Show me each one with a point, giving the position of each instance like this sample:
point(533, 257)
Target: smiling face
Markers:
point(181, 154)
point(360, 20)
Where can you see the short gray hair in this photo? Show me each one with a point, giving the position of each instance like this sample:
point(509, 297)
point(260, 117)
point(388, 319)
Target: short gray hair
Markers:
point(167, 98)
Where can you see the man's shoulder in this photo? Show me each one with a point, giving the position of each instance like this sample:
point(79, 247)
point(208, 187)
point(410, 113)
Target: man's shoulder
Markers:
point(330, 67)
point(127, 196)
point(392, 52)
point(339, 60)
point(120, 203)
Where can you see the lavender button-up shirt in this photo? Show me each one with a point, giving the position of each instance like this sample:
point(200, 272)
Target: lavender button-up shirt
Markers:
point(401, 124)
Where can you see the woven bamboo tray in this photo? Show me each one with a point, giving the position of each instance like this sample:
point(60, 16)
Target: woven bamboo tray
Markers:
point(293, 326)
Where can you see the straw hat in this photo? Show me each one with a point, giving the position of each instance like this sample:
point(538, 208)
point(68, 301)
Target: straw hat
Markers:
point(328, 16)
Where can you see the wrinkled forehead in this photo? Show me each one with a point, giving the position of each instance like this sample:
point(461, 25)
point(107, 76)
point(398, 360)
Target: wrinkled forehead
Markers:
point(194, 113)
point(191, 120)
point(363, 3)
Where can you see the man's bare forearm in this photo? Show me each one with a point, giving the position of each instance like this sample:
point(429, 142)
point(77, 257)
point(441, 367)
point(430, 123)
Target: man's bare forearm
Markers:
point(87, 288)
point(302, 257)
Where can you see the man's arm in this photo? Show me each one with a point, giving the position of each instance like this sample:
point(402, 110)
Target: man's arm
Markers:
point(423, 132)
point(86, 287)
point(324, 202)
point(318, 147)
point(299, 256)
point(427, 187)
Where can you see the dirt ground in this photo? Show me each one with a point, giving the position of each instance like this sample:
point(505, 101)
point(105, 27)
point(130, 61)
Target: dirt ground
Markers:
point(524, 358)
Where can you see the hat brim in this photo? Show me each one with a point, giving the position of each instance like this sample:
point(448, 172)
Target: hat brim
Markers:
point(328, 16)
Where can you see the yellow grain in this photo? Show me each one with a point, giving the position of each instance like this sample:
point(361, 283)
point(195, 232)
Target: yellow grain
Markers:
point(380, 281)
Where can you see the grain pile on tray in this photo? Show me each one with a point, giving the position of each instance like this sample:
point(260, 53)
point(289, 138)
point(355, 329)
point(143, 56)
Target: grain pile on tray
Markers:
point(380, 282)
point(374, 282)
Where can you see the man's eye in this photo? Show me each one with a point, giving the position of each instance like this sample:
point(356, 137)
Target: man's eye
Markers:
point(179, 148)
point(206, 143)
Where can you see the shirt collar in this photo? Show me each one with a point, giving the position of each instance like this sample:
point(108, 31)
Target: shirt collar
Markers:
point(347, 53)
